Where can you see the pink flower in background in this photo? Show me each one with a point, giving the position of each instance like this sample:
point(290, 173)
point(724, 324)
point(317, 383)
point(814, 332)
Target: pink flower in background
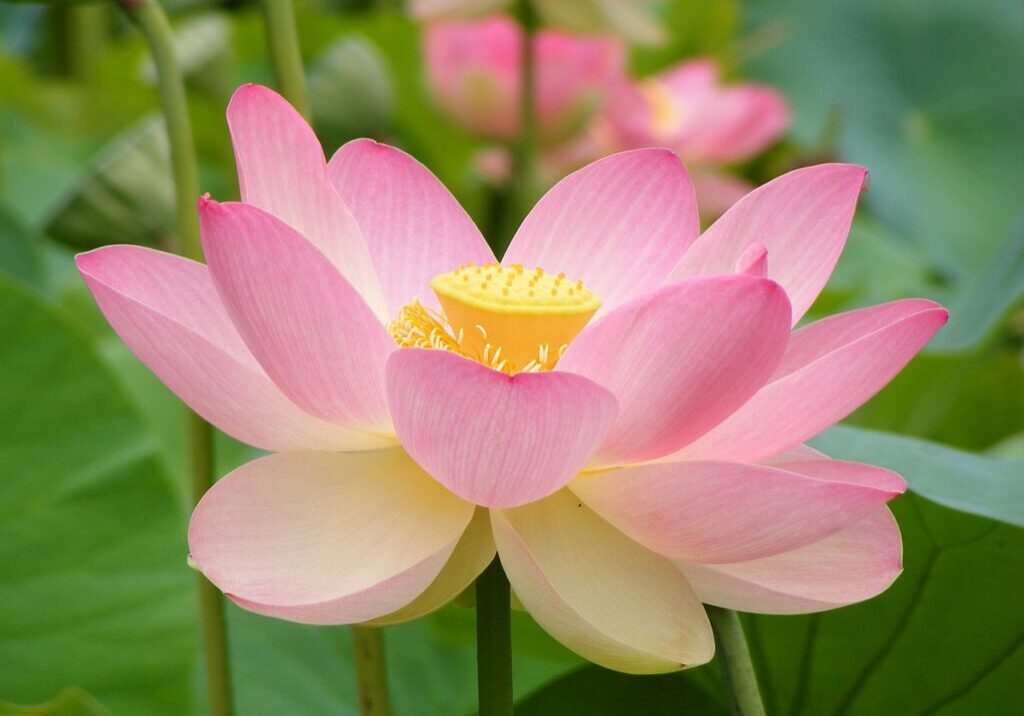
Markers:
point(474, 71)
point(689, 110)
point(633, 19)
point(624, 426)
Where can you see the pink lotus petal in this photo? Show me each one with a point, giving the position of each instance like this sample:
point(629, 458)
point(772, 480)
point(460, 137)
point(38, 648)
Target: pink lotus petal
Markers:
point(493, 439)
point(167, 311)
point(681, 359)
point(474, 70)
point(309, 329)
point(711, 512)
point(281, 169)
point(599, 593)
point(742, 121)
point(849, 566)
point(753, 261)
point(830, 369)
point(471, 556)
point(413, 225)
point(688, 109)
point(618, 224)
point(288, 535)
point(802, 217)
point(691, 77)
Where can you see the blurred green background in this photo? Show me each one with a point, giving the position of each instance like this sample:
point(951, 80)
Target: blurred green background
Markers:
point(97, 605)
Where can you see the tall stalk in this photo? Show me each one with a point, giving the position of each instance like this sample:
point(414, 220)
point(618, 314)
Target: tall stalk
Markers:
point(285, 57)
point(81, 33)
point(494, 642)
point(152, 22)
point(526, 147)
point(371, 671)
point(737, 666)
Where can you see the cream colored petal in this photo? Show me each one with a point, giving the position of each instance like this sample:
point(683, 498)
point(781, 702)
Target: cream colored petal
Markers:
point(472, 554)
point(599, 593)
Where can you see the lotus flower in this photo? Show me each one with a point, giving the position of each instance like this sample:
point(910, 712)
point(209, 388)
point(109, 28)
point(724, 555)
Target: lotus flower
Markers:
point(624, 425)
point(474, 70)
point(688, 109)
point(632, 19)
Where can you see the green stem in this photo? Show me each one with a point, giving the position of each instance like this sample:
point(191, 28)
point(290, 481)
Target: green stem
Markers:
point(82, 32)
point(152, 22)
point(737, 667)
point(494, 642)
point(371, 671)
point(211, 601)
point(526, 146)
point(285, 58)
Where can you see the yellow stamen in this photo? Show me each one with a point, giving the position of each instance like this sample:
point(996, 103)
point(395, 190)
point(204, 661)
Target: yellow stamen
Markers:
point(516, 321)
point(510, 327)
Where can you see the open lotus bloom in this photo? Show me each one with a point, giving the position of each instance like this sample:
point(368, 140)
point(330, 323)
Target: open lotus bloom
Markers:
point(688, 109)
point(474, 71)
point(617, 408)
point(633, 19)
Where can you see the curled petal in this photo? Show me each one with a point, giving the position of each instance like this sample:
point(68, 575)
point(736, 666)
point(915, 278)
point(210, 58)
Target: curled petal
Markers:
point(681, 359)
point(494, 439)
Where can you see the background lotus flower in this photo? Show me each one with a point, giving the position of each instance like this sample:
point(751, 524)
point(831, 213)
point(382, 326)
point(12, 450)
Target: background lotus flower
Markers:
point(350, 319)
point(474, 70)
point(633, 19)
point(688, 109)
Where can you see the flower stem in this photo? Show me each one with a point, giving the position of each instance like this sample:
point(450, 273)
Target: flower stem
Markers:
point(82, 31)
point(494, 642)
point(211, 601)
point(737, 667)
point(285, 58)
point(371, 671)
point(152, 22)
point(526, 147)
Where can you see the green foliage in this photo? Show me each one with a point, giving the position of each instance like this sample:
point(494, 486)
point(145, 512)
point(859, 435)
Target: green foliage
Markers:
point(970, 483)
point(978, 311)
point(127, 191)
point(945, 639)
point(94, 585)
point(928, 98)
point(351, 93)
point(19, 256)
point(72, 702)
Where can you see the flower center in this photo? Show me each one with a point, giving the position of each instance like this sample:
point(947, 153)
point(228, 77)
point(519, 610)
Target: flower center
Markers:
point(509, 318)
point(666, 114)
